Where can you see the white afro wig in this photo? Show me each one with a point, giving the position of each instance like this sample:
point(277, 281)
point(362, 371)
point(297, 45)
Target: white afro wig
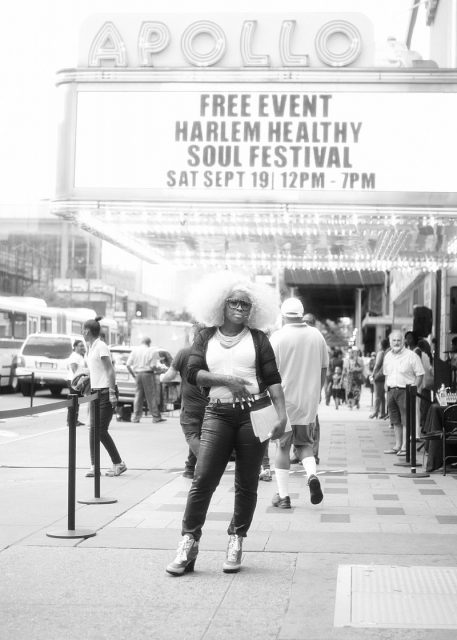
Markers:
point(207, 299)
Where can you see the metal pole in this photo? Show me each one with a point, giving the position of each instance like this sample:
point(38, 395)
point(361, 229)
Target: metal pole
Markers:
point(32, 388)
point(412, 441)
point(408, 423)
point(97, 447)
point(411, 421)
point(72, 461)
point(71, 532)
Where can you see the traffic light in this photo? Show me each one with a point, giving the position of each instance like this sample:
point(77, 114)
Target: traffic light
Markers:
point(138, 310)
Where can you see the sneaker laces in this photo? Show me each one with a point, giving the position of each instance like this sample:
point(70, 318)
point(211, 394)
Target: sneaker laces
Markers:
point(183, 549)
point(234, 546)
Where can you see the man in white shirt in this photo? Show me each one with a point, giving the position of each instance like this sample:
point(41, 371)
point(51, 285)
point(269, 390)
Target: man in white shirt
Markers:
point(401, 366)
point(302, 358)
point(145, 366)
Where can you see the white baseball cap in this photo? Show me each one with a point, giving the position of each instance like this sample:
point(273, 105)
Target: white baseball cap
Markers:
point(292, 308)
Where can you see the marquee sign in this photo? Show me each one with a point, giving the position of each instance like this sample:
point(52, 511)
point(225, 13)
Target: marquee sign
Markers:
point(227, 40)
point(280, 144)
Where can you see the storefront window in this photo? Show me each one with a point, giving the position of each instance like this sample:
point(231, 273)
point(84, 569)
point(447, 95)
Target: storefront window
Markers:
point(20, 325)
point(6, 326)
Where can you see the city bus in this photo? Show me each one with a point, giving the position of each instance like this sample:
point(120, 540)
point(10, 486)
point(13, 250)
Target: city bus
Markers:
point(21, 316)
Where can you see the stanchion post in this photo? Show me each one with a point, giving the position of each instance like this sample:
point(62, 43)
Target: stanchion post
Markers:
point(32, 388)
point(71, 532)
point(411, 410)
point(409, 405)
point(412, 439)
point(95, 434)
point(71, 463)
point(97, 446)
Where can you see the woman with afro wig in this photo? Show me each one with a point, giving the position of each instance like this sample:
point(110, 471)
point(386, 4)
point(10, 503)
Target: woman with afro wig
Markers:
point(233, 361)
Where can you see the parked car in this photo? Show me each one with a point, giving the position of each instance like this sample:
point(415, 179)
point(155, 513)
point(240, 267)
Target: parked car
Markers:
point(46, 356)
point(170, 393)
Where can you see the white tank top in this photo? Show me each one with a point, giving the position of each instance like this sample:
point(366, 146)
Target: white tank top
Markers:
point(237, 361)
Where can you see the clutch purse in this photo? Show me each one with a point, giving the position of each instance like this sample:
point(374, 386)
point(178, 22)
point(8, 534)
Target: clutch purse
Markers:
point(263, 420)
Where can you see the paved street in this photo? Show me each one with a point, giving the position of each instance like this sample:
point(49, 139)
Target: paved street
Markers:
point(377, 559)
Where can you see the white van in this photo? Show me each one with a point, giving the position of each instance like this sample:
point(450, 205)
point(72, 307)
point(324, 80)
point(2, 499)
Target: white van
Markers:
point(46, 356)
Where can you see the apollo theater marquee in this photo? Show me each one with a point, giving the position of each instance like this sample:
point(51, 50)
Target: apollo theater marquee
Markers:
point(234, 139)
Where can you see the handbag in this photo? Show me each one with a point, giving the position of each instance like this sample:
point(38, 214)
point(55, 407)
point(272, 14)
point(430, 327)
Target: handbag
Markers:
point(81, 384)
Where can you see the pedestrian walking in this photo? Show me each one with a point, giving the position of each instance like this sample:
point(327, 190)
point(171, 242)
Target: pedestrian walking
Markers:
point(145, 366)
point(233, 361)
point(193, 404)
point(102, 379)
point(353, 377)
point(302, 358)
point(401, 367)
point(379, 382)
point(337, 387)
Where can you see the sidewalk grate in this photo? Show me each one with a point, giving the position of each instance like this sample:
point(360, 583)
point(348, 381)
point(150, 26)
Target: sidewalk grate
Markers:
point(396, 597)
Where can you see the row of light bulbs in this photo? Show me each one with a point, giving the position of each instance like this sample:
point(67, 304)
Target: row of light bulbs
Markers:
point(104, 224)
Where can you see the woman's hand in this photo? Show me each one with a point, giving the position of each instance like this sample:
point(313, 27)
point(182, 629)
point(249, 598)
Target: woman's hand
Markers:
point(277, 395)
point(113, 397)
point(238, 387)
point(278, 430)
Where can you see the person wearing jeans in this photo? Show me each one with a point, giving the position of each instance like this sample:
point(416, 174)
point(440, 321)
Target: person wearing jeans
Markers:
point(102, 379)
point(106, 414)
point(193, 403)
point(379, 381)
point(226, 427)
point(144, 365)
point(234, 362)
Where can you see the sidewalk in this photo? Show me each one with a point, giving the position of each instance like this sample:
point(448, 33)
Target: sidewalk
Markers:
point(376, 559)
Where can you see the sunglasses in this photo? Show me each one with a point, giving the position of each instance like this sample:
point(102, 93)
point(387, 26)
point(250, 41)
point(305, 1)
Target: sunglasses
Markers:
point(234, 303)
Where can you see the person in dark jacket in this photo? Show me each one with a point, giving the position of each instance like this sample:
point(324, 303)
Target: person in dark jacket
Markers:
point(234, 362)
point(193, 404)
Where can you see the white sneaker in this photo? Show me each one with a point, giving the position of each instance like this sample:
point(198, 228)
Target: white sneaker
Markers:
point(117, 469)
point(265, 475)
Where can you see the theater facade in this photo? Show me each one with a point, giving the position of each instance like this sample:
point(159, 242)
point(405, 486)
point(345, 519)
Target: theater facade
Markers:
point(274, 143)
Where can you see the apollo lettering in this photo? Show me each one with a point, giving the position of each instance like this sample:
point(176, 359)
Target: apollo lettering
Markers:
point(108, 47)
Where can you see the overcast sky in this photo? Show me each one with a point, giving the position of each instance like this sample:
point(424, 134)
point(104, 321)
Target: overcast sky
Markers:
point(39, 37)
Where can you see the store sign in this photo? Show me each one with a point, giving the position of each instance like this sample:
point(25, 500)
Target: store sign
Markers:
point(227, 40)
point(237, 143)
